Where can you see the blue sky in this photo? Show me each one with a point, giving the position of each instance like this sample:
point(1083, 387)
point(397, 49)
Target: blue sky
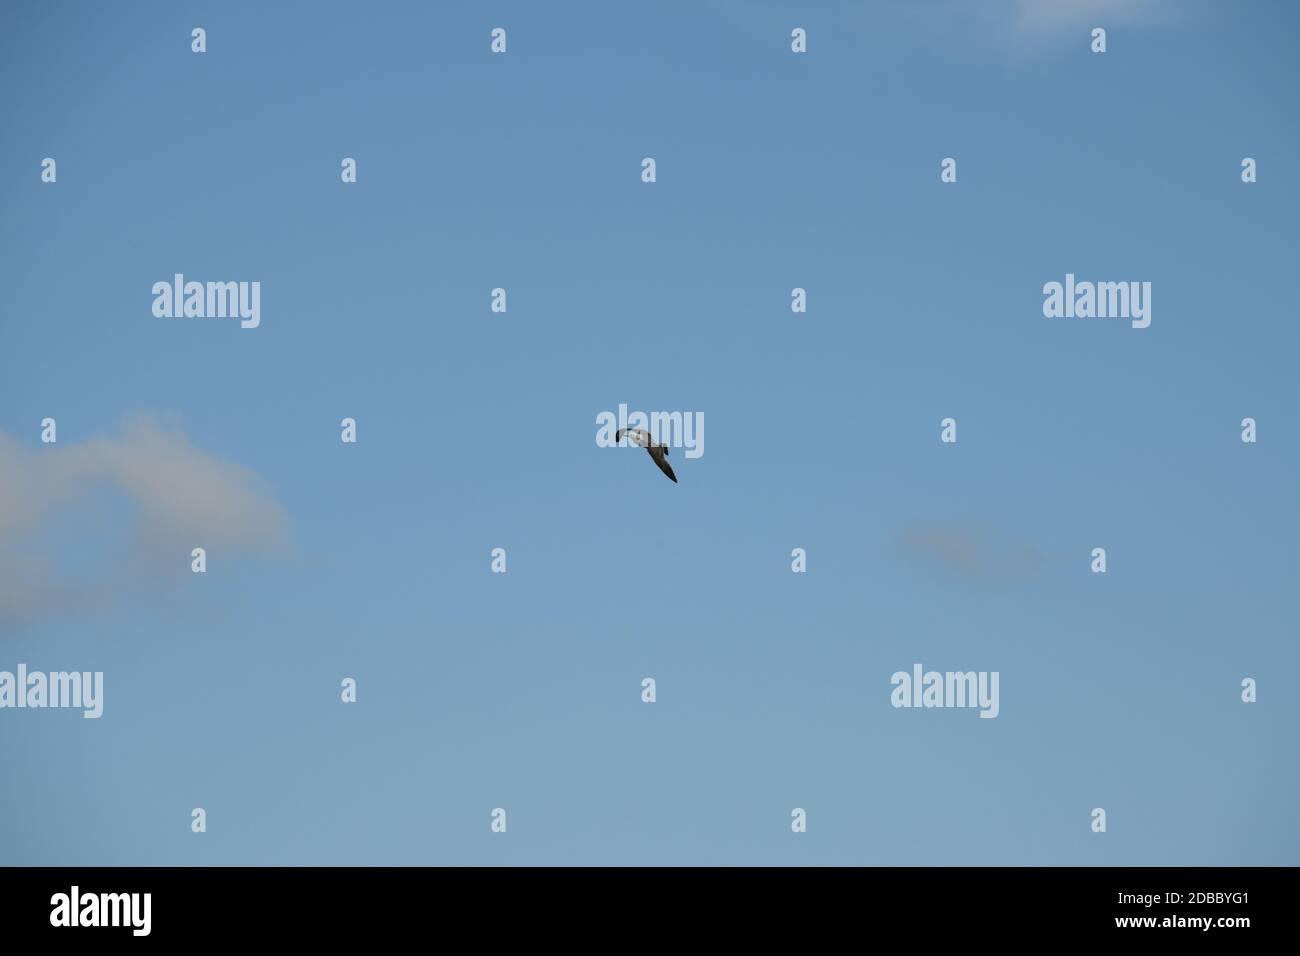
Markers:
point(476, 430)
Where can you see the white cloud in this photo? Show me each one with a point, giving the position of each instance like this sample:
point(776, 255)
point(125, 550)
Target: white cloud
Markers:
point(1054, 16)
point(134, 503)
point(1019, 26)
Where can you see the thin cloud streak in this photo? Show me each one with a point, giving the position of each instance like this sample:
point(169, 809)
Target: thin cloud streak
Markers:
point(972, 552)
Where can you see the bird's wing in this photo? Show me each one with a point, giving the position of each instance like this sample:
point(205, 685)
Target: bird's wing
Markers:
point(657, 453)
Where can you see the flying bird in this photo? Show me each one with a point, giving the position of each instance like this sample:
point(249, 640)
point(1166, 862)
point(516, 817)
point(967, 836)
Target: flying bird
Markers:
point(641, 438)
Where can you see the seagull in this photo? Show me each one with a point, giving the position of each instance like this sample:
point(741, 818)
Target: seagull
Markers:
point(641, 438)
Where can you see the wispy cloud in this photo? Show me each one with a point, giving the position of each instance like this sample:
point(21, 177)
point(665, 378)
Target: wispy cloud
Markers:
point(973, 552)
point(84, 525)
point(1055, 16)
point(1020, 27)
